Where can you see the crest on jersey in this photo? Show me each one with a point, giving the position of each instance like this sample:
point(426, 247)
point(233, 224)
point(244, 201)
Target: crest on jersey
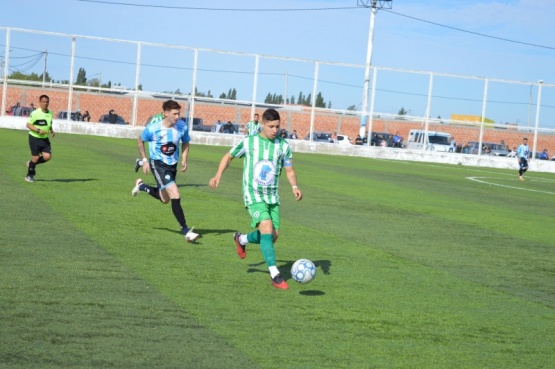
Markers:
point(264, 172)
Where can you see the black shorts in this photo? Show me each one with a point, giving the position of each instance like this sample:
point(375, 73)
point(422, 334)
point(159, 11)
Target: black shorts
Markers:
point(164, 174)
point(39, 145)
point(523, 163)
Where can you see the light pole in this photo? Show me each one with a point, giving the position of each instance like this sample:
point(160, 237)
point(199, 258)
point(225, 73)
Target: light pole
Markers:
point(534, 149)
point(374, 5)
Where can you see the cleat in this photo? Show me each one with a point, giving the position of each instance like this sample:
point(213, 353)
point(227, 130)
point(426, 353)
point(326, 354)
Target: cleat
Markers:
point(191, 236)
point(135, 191)
point(279, 282)
point(240, 248)
point(520, 178)
point(30, 179)
point(137, 165)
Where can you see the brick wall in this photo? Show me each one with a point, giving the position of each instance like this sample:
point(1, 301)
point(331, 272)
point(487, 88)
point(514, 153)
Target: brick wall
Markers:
point(298, 119)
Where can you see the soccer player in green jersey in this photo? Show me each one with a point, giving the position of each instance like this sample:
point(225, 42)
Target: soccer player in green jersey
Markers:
point(39, 125)
point(254, 127)
point(265, 155)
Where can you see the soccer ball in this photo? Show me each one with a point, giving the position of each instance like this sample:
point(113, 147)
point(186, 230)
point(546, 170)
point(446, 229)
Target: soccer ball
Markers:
point(303, 271)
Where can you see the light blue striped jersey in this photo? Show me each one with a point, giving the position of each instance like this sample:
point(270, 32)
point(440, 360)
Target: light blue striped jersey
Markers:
point(263, 161)
point(163, 143)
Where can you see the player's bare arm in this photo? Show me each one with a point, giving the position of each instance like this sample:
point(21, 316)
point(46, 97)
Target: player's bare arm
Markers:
point(224, 163)
point(292, 178)
point(184, 155)
point(141, 147)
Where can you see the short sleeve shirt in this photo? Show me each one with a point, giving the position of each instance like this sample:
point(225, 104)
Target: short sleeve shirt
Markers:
point(522, 151)
point(42, 121)
point(263, 161)
point(163, 143)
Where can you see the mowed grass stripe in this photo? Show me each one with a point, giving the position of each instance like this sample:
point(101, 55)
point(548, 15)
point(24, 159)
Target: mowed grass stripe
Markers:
point(66, 302)
point(392, 288)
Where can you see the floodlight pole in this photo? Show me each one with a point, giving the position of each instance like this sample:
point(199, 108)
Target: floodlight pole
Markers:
point(374, 6)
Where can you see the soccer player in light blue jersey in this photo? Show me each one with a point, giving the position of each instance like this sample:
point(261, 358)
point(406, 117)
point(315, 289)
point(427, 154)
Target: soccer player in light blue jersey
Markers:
point(154, 119)
point(163, 139)
point(522, 154)
point(265, 155)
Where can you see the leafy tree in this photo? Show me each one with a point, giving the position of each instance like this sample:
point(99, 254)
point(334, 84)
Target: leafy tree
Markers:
point(352, 107)
point(81, 77)
point(292, 100)
point(402, 111)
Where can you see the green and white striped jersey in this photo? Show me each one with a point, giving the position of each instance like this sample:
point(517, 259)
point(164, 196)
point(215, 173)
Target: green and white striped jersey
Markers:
point(264, 160)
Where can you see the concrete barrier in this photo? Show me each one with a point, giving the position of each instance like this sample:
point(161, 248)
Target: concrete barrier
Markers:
point(218, 139)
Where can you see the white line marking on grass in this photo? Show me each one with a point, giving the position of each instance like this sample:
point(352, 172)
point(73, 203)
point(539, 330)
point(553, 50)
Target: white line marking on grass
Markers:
point(477, 179)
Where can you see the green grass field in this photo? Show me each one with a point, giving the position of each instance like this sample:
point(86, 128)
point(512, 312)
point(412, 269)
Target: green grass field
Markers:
point(419, 266)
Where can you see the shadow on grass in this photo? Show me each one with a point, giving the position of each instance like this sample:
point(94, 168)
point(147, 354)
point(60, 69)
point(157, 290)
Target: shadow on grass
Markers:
point(202, 232)
point(67, 180)
point(285, 267)
point(191, 185)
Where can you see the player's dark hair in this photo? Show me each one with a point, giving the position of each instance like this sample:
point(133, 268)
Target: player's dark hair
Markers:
point(170, 104)
point(43, 96)
point(270, 114)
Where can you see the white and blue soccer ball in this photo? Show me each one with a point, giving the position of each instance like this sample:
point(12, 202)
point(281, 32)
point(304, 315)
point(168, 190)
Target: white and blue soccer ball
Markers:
point(303, 271)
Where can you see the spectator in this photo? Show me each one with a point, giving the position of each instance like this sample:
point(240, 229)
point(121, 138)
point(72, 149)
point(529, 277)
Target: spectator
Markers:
point(112, 116)
point(32, 107)
point(452, 145)
point(544, 155)
point(397, 140)
point(217, 127)
point(383, 143)
point(283, 133)
point(512, 153)
point(358, 140)
point(294, 135)
point(487, 150)
point(228, 127)
point(466, 149)
point(86, 117)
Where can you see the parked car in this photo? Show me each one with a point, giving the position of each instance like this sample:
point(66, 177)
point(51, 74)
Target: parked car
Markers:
point(20, 111)
point(376, 138)
point(75, 115)
point(319, 137)
point(494, 148)
point(343, 140)
point(234, 128)
point(104, 118)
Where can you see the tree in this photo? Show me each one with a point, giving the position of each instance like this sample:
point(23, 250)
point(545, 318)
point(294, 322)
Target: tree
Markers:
point(352, 107)
point(402, 111)
point(320, 103)
point(81, 77)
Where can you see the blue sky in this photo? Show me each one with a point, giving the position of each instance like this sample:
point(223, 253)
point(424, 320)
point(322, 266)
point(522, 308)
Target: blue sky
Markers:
point(405, 37)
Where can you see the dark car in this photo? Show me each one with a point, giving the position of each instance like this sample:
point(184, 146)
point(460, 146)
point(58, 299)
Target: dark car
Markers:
point(376, 138)
point(319, 137)
point(20, 111)
point(75, 115)
point(488, 148)
point(105, 118)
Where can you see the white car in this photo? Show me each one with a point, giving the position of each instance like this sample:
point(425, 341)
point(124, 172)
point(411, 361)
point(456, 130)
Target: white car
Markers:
point(343, 140)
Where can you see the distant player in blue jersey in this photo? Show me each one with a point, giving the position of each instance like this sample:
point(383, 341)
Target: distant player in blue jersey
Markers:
point(522, 154)
point(163, 139)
